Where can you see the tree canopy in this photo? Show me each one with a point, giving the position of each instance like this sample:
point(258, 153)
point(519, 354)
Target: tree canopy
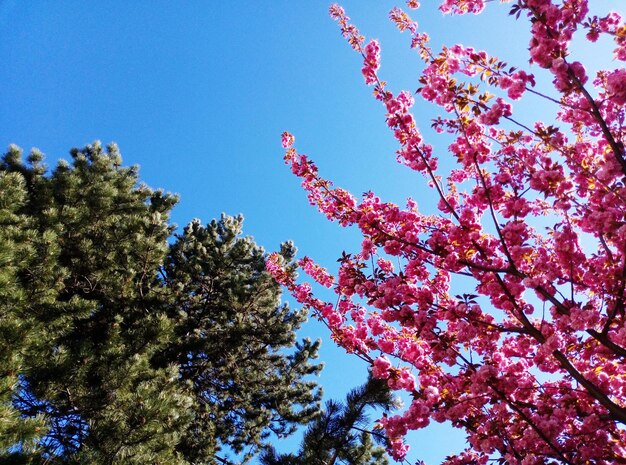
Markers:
point(503, 312)
point(122, 342)
point(342, 434)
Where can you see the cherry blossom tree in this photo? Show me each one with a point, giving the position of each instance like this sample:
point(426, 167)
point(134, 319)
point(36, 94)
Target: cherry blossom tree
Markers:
point(528, 359)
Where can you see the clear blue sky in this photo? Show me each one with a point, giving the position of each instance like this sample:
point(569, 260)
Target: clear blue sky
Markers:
point(198, 92)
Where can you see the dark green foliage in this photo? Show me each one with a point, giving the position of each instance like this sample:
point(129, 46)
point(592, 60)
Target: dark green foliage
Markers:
point(113, 350)
point(341, 434)
point(99, 242)
point(230, 328)
point(15, 328)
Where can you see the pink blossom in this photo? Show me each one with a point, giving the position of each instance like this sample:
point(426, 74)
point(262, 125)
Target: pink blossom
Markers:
point(371, 61)
point(498, 110)
point(504, 290)
point(381, 367)
point(287, 140)
point(616, 86)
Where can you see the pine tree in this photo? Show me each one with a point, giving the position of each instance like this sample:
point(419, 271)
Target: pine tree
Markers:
point(231, 332)
point(110, 346)
point(339, 435)
point(99, 241)
point(15, 329)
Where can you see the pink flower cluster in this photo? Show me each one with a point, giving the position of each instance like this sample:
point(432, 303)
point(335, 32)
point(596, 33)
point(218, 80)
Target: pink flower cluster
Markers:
point(402, 20)
point(287, 140)
point(516, 84)
point(498, 110)
point(462, 6)
point(612, 24)
point(319, 274)
point(371, 61)
point(568, 76)
point(529, 360)
point(553, 28)
point(616, 86)
point(348, 30)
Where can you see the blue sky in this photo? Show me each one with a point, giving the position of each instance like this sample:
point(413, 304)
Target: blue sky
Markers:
point(198, 92)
